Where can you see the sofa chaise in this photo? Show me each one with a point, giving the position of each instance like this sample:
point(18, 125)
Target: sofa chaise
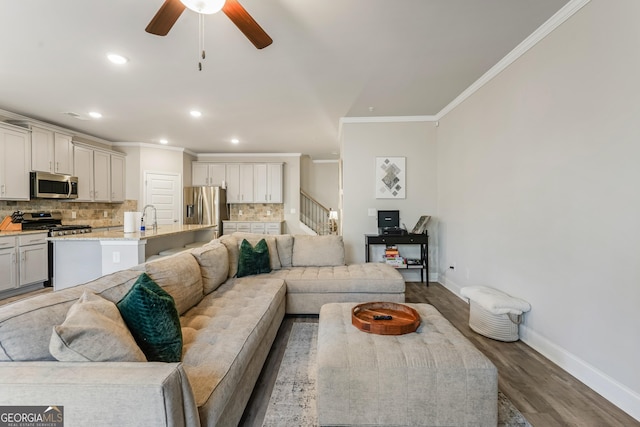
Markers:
point(227, 325)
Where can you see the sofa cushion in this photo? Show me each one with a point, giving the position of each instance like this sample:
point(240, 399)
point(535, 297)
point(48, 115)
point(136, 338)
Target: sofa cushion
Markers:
point(253, 259)
point(94, 331)
point(231, 244)
point(254, 238)
point(317, 251)
point(360, 278)
point(213, 259)
point(179, 275)
point(151, 316)
point(284, 243)
point(223, 333)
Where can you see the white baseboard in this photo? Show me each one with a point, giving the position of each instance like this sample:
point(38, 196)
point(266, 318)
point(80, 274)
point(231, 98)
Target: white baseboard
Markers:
point(616, 393)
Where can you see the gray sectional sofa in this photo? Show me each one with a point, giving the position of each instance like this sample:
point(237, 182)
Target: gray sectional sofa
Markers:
point(228, 325)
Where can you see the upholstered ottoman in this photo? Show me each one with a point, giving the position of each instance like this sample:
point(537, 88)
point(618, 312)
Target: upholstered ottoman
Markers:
point(432, 377)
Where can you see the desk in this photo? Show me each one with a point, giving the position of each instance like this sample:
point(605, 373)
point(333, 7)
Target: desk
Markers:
point(407, 239)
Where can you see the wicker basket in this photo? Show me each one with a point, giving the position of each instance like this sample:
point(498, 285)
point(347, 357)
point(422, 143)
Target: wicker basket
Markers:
point(502, 327)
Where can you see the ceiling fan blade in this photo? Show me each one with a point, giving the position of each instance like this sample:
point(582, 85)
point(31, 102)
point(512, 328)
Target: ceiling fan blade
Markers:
point(246, 24)
point(167, 15)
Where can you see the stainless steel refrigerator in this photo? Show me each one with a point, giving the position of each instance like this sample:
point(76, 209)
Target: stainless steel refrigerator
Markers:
point(205, 205)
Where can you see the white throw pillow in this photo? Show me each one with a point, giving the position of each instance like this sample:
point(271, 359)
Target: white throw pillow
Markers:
point(94, 331)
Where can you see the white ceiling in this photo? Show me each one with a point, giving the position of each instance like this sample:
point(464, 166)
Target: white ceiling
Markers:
point(329, 59)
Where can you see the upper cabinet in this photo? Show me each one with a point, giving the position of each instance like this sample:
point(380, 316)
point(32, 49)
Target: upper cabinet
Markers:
point(117, 178)
point(15, 152)
point(101, 174)
point(245, 182)
point(51, 151)
point(239, 183)
point(267, 183)
point(208, 174)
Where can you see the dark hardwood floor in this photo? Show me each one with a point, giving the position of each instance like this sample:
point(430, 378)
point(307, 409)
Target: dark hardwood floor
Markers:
point(545, 394)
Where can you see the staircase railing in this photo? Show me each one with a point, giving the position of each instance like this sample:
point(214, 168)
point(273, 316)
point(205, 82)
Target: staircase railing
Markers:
point(313, 214)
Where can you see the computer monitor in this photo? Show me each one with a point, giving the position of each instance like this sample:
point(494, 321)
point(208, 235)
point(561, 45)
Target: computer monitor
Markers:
point(388, 219)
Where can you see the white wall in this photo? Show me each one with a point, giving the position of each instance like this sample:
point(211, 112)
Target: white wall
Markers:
point(538, 195)
point(143, 158)
point(361, 144)
point(320, 179)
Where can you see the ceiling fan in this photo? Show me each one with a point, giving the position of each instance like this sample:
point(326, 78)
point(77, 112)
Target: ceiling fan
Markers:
point(171, 10)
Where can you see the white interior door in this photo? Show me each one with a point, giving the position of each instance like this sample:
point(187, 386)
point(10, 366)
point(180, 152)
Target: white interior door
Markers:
point(164, 191)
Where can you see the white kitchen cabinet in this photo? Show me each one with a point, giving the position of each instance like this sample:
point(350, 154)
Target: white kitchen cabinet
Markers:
point(51, 151)
point(33, 259)
point(267, 183)
point(273, 227)
point(23, 260)
point(8, 277)
point(259, 227)
point(117, 178)
point(239, 182)
point(205, 173)
point(101, 176)
point(229, 227)
point(83, 169)
point(15, 152)
point(63, 153)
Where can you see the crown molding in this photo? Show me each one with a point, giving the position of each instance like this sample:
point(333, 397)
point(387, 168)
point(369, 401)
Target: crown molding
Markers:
point(326, 161)
point(14, 116)
point(155, 146)
point(388, 119)
point(206, 155)
point(534, 38)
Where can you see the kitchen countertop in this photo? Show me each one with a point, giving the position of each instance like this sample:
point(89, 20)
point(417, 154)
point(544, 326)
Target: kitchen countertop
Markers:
point(21, 232)
point(265, 221)
point(163, 230)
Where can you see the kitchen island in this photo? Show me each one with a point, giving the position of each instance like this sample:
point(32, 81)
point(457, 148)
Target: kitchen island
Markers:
point(79, 258)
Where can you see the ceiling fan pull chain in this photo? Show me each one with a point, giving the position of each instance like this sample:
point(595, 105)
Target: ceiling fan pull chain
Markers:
point(200, 39)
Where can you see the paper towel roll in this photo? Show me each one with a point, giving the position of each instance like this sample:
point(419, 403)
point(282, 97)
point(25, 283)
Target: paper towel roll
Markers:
point(131, 221)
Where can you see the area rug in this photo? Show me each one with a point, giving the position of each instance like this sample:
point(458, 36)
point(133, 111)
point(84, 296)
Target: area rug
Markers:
point(293, 399)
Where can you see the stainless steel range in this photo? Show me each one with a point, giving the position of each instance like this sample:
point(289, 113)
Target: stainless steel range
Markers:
point(52, 222)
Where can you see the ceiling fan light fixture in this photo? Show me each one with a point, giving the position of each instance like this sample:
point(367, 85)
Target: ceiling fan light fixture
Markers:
point(207, 7)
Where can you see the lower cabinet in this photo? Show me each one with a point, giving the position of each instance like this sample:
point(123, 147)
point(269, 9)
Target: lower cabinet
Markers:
point(229, 227)
point(23, 260)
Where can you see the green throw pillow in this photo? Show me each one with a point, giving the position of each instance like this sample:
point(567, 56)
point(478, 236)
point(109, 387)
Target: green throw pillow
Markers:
point(151, 316)
point(253, 260)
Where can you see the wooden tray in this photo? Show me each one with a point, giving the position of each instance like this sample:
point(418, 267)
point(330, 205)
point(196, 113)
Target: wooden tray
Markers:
point(403, 320)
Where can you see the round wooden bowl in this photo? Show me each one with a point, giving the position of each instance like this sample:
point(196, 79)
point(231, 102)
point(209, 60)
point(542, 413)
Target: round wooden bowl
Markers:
point(366, 317)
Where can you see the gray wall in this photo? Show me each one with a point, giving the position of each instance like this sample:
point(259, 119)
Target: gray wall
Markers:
point(361, 144)
point(538, 195)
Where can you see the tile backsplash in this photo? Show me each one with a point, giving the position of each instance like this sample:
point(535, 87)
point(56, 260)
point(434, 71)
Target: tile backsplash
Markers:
point(92, 214)
point(256, 212)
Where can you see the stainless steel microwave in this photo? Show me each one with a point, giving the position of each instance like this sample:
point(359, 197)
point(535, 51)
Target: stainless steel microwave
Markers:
point(50, 186)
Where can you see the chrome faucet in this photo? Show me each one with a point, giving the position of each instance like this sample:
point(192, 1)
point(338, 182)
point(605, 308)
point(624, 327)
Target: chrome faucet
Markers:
point(154, 226)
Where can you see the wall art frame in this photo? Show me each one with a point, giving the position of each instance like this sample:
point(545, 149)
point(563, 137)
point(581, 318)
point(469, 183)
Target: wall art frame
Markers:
point(391, 181)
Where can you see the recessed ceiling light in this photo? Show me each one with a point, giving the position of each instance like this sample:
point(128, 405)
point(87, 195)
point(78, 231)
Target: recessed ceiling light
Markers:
point(163, 141)
point(95, 114)
point(117, 59)
point(235, 141)
point(195, 113)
